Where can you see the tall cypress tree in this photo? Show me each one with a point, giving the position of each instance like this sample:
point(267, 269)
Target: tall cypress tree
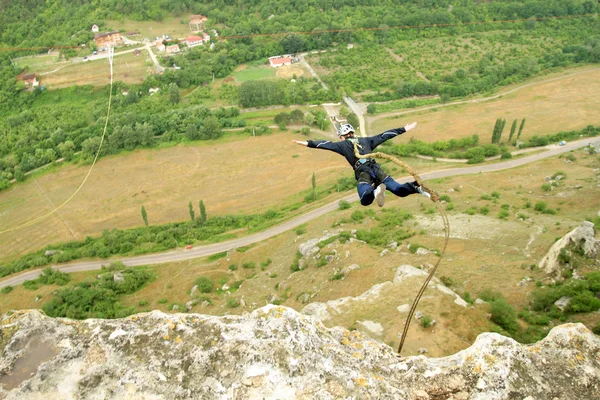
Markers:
point(192, 212)
point(202, 212)
point(513, 128)
point(521, 129)
point(144, 216)
point(314, 186)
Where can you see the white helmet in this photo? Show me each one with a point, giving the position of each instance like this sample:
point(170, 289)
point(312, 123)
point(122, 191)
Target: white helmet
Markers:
point(345, 129)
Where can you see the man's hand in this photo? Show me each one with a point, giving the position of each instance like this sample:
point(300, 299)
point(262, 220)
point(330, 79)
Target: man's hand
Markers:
point(410, 126)
point(300, 142)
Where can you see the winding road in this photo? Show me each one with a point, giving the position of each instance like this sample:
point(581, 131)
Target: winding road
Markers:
point(202, 251)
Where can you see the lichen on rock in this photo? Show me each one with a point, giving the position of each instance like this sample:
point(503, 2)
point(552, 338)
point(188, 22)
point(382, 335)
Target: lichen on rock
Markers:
point(276, 352)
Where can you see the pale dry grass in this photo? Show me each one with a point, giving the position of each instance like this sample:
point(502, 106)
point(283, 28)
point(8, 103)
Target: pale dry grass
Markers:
point(288, 71)
point(237, 177)
point(126, 68)
point(570, 103)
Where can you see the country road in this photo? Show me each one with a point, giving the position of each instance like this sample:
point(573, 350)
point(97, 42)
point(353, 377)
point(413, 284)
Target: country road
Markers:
point(202, 251)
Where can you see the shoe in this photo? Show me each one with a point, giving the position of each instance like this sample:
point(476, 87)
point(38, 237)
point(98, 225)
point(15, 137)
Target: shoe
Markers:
point(380, 194)
point(423, 192)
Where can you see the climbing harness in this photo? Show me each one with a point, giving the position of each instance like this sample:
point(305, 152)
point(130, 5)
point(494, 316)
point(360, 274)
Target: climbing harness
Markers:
point(436, 199)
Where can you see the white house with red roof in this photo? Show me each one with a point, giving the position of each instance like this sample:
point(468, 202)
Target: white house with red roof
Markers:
point(280, 61)
point(173, 49)
point(193, 41)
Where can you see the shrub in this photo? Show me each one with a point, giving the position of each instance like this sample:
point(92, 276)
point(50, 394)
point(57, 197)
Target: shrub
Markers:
point(504, 315)
point(425, 321)
point(484, 210)
point(337, 275)
point(248, 265)
point(471, 211)
point(7, 289)
point(571, 157)
point(232, 267)
point(232, 302)
point(344, 205)
point(358, 215)
point(300, 230)
point(217, 256)
point(164, 300)
point(503, 214)
point(495, 194)
point(205, 284)
point(143, 303)
point(540, 206)
point(449, 207)
point(546, 187)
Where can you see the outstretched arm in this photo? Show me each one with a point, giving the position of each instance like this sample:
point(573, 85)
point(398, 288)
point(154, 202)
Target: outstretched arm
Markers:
point(392, 133)
point(321, 144)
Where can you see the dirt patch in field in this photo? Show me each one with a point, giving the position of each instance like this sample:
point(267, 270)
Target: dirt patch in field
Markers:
point(288, 72)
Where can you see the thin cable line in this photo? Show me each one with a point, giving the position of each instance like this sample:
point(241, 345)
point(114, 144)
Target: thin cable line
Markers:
point(43, 217)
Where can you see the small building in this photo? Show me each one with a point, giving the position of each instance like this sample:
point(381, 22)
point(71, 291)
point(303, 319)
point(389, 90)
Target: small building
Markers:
point(205, 37)
point(193, 41)
point(279, 61)
point(153, 90)
point(160, 46)
point(173, 49)
point(107, 39)
point(137, 52)
point(30, 81)
point(95, 28)
point(197, 22)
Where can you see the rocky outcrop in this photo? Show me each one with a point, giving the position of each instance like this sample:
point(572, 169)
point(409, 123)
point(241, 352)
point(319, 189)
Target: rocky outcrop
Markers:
point(278, 353)
point(582, 237)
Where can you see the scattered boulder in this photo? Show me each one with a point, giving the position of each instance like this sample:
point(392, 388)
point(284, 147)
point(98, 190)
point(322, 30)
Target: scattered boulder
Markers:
point(371, 328)
point(562, 303)
point(118, 277)
point(273, 298)
point(383, 252)
point(205, 304)
point(418, 315)
point(194, 290)
point(422, 350)
point(404, 308)
point(479, 301)
point(48, 253)
point(304, 298)
point(421, 251)
point(346, 270)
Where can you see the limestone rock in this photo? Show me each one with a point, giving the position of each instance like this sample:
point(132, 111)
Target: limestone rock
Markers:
point(562, 303)
point(275, 352)
point(346, 270)
point(582, 236)
point(370, 327)
point(194, 290)
point(118, 277)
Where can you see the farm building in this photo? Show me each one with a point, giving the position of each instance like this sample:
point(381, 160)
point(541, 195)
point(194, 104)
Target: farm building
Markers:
point(279, 61)
point(30, 81)
point(95, 28)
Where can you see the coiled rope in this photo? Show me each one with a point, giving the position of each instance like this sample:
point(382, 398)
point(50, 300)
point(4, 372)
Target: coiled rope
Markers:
point(436, 199)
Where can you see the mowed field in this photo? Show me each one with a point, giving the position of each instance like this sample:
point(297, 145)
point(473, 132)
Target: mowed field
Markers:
point(40, 64)
point(244, 73)
point(243, 176)
point(151, 29)
point(126, 68)
point(566, 102)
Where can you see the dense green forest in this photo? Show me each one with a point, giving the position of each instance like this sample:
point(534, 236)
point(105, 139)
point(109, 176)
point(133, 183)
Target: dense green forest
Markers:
point(41, 126)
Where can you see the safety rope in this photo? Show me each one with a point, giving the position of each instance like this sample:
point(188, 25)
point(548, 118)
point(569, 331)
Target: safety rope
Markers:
point(436, 199)
point(43, 217)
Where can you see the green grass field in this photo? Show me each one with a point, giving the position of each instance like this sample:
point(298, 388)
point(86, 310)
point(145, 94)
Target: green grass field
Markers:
point(39, 64)
point(253, 73)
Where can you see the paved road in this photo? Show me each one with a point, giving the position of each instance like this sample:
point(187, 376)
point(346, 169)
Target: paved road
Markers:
point(356, 110)
point(202, 251)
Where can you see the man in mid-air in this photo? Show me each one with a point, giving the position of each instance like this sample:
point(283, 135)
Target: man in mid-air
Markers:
point(372, 181)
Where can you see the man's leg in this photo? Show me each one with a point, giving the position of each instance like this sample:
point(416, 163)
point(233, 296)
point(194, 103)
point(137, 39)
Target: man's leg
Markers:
point(400, 189)
point(365, 188)
point(365, 193)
